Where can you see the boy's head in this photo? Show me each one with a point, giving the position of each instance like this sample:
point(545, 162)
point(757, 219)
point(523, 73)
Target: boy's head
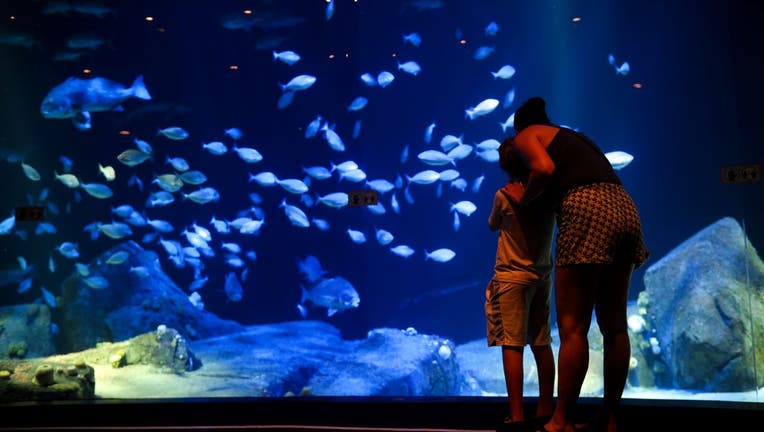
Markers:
point(510, 162)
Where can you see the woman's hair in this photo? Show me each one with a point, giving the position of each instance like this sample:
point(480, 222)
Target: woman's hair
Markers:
point(532, 112)
point(511, 163)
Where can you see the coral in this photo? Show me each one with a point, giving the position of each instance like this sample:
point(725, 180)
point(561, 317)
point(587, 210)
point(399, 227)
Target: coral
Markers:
point(118, 358)
point(44, 375)
point(17, 349)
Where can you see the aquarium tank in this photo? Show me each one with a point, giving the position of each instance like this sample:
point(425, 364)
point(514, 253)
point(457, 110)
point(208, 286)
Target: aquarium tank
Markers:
point(270, 198)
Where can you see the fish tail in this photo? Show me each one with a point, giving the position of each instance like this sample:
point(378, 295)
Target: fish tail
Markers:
point(139, 89)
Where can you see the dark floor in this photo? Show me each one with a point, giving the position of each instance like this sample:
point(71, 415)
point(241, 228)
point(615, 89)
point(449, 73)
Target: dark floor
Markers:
point(354, 414)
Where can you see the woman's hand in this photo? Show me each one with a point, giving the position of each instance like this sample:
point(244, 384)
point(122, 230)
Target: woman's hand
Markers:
point(514, 191)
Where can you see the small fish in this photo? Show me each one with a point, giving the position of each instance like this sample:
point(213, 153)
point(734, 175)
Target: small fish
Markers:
point(97, 190)
point(30, 172)
point(385, 78)
point(619, 159)
point(177, 163)
point(317, 172)
point(321, 224)
point(358, 104)
point(491, 29)
point(356, 175)
point(116, 230)
point(336, 199)
point(333, 139)
point(133, 157)
point(118, 258)
point(300, 82)
point(107, 172)
point(412, 38)
point(285, 99)
point(505, 72)
point(424, 177)
point(288, 57)
point(203, 195)
point(483, 108)
point(215, 147)
point(68, 249)
point(623, 69)
point(233, 133)
point(483, 52)
point(313, 127)
point(403, 251)
point(295, 215)
point(356, 236)
point(294, 186)
point(265, 178)
point(175, 133)
point(193, 177)
point(449, 141)
point(428, 132)
point(161, 226)
point(410, 67)
point(384, 237)
point(233, 289)
point(69, 180)
point(464, 207)
point(435, 158)
point(369, 79)
point(310, 269)
point(248, 154)
point(460, 152)
point(96, 282)
point(508, 123)
point(440, 255)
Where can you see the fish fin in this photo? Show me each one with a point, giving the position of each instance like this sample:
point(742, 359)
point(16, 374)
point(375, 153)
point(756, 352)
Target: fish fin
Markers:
point(139, 89)
point(330, 312)
point(81, 120)
point(118, 108)
point(303, 311)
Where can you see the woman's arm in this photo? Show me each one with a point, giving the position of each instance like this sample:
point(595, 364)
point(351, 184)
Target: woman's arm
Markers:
point(532, 151)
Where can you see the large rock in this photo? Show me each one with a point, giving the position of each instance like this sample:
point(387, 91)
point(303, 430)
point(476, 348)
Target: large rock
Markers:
point(701, 300)
point(392, 362)
point(133, 303)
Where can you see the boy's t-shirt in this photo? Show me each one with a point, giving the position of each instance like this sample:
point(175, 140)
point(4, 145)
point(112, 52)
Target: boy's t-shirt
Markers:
point(523, 252)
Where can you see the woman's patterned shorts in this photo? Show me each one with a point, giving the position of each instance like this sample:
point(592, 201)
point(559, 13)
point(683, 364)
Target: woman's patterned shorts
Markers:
point(599, 224)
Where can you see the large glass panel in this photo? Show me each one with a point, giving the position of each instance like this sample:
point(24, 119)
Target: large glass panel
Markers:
point(265, 198)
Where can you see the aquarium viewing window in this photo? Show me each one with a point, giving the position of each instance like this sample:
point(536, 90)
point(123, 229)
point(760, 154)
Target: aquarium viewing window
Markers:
point(223, 199)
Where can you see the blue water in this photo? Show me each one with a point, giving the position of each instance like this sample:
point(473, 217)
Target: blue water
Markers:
point(680, 111)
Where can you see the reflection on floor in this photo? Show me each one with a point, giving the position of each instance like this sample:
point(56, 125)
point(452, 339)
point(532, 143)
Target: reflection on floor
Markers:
point(352, 414)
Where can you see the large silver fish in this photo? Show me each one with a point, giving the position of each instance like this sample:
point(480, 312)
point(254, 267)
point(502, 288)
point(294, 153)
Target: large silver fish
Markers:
point(335, 294)
point(76, 98)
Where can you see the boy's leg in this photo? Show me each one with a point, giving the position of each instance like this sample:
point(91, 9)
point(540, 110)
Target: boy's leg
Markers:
point(512, 359)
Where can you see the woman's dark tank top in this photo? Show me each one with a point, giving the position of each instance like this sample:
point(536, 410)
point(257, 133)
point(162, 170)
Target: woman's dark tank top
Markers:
point(578, 162)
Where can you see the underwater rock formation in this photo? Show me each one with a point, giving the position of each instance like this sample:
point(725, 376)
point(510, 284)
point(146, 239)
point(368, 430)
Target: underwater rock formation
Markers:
point(126, 303)
point(700, 300)
point(25, 331)
point(45, 380)
point(392, 362)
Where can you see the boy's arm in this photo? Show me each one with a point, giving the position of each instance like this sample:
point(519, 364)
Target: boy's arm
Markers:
point(494, 219)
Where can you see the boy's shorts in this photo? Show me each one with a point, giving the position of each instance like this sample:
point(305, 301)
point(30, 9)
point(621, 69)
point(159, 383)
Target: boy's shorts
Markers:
point(518, 314)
